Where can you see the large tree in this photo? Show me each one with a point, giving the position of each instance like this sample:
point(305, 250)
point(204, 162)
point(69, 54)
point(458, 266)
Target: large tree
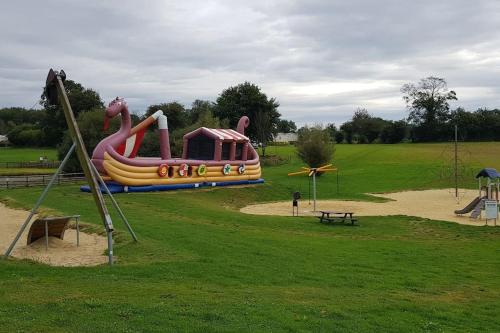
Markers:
point(81, 99)
point(394, 131)
point(17, 116)
point(264, 129)
point(199, 108)
point(175, 112)
point(332, 130)
point(23, 126)
point(246, 99)
point(428, 106)
point(286, 126)
point(363, 127)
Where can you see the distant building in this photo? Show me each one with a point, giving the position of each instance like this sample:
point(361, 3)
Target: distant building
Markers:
point(285, 137)
point(4, 140)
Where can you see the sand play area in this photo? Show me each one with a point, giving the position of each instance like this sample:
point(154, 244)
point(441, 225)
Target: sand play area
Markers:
point(430, 204)
point(60, 252)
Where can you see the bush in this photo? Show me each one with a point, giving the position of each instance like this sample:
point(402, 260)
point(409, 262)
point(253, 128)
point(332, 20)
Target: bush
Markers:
point(26, 135)
point(339, 137)
point(394, 132)
point(314, 146)
point(274, 160)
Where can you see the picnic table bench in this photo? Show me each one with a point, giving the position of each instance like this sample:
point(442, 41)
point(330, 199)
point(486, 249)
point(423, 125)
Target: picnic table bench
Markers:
point(332, 217)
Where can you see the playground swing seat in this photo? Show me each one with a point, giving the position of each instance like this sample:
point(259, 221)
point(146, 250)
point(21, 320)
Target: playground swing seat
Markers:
point(55, 226)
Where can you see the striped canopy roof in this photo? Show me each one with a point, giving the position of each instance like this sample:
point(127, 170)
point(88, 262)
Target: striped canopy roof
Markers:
point(218, 134)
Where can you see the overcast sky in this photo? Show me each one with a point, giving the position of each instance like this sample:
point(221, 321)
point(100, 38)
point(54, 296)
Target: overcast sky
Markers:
point(320, 59)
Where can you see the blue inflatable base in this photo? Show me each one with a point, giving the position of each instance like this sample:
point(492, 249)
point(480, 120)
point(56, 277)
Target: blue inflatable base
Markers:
point(117, 188)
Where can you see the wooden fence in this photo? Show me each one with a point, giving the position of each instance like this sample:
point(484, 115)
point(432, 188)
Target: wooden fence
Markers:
point(39, 180)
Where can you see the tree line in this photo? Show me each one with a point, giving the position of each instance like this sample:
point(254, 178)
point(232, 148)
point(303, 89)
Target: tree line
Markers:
point(47, 127)
point(430, 119)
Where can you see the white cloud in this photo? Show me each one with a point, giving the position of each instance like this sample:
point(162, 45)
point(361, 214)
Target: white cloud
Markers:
point(320, 59)
point(335, 88)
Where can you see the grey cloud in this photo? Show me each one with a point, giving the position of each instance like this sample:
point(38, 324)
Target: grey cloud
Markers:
point(157, 51)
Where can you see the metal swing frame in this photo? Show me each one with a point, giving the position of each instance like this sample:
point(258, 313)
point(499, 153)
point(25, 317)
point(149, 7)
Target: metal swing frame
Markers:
point(55, 91)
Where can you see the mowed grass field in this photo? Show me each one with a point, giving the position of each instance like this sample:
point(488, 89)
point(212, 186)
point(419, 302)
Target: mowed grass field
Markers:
point(9, 154)
point(201, 266)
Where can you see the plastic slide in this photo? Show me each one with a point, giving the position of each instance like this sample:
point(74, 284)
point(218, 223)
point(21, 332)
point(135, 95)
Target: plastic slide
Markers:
point(470, 206)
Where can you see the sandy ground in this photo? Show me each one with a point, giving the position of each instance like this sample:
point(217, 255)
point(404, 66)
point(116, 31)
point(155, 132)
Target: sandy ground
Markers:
point(431, 204)
point(60, 252)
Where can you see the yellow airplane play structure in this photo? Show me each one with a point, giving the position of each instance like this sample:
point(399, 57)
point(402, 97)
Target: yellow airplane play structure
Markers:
point(311, 172)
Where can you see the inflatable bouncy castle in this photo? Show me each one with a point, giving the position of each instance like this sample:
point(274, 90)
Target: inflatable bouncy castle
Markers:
point(210, 157)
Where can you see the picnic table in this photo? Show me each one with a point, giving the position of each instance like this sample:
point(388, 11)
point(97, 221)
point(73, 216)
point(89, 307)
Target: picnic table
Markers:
point(332, 217)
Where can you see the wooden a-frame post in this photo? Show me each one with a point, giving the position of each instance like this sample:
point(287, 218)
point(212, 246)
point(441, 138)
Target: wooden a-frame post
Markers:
point(55, 92)
point(55, 89)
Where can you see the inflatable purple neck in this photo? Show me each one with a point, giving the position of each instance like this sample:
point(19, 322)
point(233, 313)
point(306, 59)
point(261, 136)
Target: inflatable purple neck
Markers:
point(117, 106)
point(242, 124)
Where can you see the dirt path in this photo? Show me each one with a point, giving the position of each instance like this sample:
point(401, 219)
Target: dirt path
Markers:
point(60, 252)
point(431, 204)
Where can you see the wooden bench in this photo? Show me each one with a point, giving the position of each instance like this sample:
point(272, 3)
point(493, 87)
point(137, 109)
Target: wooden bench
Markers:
point(336, 217)
point(51, 227)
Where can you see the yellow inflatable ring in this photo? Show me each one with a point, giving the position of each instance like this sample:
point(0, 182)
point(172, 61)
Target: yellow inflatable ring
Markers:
point(202, 170)
point(183, 170)
point(162, 170)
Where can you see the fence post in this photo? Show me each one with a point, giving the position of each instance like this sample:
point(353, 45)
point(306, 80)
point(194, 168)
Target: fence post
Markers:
point(27, 182)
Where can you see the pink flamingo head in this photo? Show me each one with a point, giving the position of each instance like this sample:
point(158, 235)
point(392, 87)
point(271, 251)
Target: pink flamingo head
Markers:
point(114, 108)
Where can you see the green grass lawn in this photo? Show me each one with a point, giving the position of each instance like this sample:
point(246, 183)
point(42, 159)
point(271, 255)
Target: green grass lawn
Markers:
point(382, 168)
point(25, 171)
point(10, 154)
point(202, 266)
